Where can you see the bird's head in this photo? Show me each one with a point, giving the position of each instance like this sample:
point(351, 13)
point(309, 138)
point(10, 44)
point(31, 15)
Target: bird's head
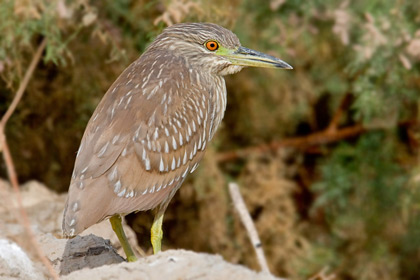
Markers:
point(212, 47)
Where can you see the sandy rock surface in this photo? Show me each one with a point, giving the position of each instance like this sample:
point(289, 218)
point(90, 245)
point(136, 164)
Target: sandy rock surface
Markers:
point(96, 254)
point(171, 264)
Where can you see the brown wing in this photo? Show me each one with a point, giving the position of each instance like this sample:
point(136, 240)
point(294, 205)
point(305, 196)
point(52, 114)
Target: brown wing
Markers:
point(148, 132)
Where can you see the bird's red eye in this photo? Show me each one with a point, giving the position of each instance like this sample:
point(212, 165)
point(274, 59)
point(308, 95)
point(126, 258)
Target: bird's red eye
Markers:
point(212, 45)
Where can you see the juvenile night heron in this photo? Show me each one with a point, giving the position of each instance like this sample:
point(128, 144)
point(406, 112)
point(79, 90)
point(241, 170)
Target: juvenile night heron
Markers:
point(153, 125)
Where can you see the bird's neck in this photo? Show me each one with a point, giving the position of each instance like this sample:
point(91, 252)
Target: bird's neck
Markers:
point(219, 100)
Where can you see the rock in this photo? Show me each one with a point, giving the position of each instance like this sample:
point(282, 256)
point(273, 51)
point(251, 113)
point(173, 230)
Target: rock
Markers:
point(43, 207)
point(171, 265)
point(45, 210)
point(104, 230)
point(53, 248)
point(92, 257)
point(14, 263)
point(87, 251)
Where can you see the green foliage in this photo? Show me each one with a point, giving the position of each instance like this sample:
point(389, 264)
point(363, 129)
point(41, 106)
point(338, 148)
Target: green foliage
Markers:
point(21, 25)
point(364, 196)
point(368, 167)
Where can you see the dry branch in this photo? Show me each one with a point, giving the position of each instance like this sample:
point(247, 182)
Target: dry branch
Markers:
point(317, 138)
point(327, 136)
point(9, 162)
point(322, 275)
point(249, 225)
point(344, 105)
point(23, 85)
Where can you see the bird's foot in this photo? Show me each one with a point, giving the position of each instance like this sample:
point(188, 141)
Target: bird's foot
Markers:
point(131, 258)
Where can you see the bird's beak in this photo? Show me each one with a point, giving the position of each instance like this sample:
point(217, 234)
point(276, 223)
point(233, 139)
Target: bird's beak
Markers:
point(247, 57)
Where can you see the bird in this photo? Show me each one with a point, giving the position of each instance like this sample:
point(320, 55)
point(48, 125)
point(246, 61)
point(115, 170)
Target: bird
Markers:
point(152, 127)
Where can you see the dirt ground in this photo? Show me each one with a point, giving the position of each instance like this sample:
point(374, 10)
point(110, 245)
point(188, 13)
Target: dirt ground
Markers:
point(96, 254)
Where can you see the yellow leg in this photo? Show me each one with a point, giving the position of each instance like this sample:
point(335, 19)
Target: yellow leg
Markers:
point(119, 231)
point(156, 231)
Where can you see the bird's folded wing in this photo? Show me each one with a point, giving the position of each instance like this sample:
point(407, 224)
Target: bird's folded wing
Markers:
point(144, 139)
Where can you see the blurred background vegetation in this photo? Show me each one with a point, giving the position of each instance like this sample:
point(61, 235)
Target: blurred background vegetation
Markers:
point(326, 154)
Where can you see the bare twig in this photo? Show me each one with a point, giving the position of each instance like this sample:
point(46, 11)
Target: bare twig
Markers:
point(344, 105)
point(23, 84)
point(249, 225)
point(322, 275)
point(9, 162)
